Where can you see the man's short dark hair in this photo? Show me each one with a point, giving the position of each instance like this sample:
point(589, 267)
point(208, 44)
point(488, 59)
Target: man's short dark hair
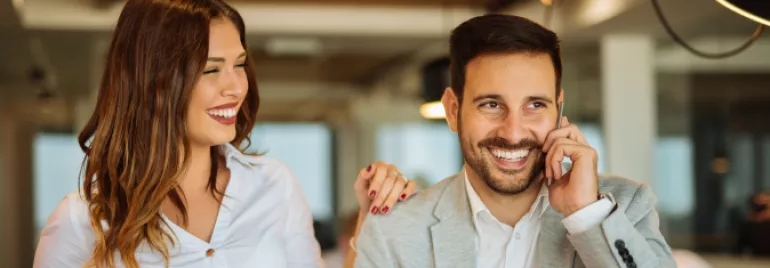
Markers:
point(496, 33)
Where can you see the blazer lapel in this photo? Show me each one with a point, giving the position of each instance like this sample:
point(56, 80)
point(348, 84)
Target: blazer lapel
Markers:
point(553, 248)
point(454, 237)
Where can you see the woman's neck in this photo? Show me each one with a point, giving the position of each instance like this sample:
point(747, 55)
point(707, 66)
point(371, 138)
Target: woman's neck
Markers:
point(196, 174)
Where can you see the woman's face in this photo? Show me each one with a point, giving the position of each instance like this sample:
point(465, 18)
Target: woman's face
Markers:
point(219, 93)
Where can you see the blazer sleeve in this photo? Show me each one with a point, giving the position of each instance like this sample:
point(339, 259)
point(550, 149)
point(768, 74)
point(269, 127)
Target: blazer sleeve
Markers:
point(626, 238)
point(371, 247)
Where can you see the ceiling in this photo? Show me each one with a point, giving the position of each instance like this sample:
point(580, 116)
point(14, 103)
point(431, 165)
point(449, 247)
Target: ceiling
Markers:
point(477, 3)
point(337, 59)
point(331, 69)
point(361, 59)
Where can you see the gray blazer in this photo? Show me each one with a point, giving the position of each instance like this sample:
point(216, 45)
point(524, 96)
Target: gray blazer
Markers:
point(435, 229)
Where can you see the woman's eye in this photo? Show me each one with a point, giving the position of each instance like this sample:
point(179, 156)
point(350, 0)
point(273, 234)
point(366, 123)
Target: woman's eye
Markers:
point(210, 71)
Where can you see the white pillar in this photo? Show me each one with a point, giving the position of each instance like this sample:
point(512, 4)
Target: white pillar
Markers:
point(629, 105)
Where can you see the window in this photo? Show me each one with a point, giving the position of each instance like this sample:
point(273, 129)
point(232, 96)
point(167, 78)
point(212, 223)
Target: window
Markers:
point(426, 152)
point(674, 179)
point(306, 148)
point(57, 161)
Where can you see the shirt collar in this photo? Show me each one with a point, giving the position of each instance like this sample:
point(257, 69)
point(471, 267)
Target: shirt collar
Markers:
point(231, 153)
point(477, 206)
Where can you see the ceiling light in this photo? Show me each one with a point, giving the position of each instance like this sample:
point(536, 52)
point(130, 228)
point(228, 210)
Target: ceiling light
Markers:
point(755, 10)
point(432, 110)
point(296, 46)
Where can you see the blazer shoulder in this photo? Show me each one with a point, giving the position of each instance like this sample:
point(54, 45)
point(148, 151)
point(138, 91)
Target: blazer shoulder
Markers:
point(626, 190)
point(633, 197)
point(415, 211)
point(618, 185)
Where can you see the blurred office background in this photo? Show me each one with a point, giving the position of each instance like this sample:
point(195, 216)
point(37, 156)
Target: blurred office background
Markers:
point(342, 83)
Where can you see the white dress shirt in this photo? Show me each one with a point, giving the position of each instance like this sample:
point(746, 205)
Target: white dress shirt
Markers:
point(264, 221)
point(500, 245)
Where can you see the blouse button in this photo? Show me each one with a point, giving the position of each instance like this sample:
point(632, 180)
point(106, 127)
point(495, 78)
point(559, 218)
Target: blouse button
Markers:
point(210, 252)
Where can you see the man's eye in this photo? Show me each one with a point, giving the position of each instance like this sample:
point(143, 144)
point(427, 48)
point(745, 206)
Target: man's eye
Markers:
point(536, 105)
point(491, 104)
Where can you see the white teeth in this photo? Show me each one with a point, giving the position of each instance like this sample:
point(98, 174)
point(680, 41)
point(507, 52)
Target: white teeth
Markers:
point(510, 155)
point(226, 113)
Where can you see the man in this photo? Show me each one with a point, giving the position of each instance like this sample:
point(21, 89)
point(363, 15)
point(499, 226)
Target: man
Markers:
point(499, 212)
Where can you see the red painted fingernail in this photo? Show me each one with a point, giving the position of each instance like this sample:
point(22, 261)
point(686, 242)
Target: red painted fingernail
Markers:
point(369, 168)
point(372, 193)
point(403, 196)
point(385, 210)
point(375, 210)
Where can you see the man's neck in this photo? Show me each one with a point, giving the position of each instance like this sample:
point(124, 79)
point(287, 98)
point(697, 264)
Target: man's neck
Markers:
point(508, 209)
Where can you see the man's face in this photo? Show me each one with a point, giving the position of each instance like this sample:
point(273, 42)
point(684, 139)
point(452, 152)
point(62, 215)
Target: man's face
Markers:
point(508, 108)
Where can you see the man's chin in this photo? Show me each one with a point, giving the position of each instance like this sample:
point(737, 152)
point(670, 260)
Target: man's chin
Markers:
point(509, 184)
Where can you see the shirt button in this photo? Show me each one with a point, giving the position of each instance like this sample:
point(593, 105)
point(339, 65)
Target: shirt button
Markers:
point(210, 252)
point(518, 236)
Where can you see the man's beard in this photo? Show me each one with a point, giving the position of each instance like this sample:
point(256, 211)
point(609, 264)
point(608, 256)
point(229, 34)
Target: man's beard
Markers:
point(482, 167)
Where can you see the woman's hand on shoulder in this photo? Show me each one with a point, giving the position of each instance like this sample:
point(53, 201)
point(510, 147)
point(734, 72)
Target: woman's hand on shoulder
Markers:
point(380, 186)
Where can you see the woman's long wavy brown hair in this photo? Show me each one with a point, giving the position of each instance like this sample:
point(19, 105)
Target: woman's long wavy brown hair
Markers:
point(136, 137)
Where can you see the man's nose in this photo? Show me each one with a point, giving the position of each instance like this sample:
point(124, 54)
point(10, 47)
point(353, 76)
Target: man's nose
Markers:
point(512, 128)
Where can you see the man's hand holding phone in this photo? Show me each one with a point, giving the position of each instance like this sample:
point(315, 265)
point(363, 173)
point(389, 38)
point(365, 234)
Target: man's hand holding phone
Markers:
point(578, 187)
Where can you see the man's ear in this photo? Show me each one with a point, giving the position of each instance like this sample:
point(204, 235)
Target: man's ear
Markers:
point(560, 98)
point(451, 108)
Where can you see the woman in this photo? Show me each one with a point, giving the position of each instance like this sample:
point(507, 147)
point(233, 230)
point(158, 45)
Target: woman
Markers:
point(165, 182)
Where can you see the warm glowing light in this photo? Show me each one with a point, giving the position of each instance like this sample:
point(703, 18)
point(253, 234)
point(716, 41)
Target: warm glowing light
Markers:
point(595, 11)
point(744, 13)
point(547, 2)
point(432, 110)
point(720, 165)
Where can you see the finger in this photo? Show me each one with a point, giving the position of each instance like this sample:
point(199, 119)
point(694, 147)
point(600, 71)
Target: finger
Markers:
point(555, 156)
point(569, 131)
point(364, 177)
point(573, 150)
point(367, 172)
point(380, 171)
point(361, 186)
point(554, 135)
point(385, 189)
point(390, 201)
point(575, 133)
point(547, 163)
point(409, 190)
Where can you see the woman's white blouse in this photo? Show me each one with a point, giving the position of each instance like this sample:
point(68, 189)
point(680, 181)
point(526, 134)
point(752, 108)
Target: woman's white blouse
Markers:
point(264, 221)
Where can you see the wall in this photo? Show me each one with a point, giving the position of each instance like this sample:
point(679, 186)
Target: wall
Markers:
point(16, 188)
point(4, 245)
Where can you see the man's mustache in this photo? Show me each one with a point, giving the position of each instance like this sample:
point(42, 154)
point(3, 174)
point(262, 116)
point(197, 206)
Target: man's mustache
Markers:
point(505, 144)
